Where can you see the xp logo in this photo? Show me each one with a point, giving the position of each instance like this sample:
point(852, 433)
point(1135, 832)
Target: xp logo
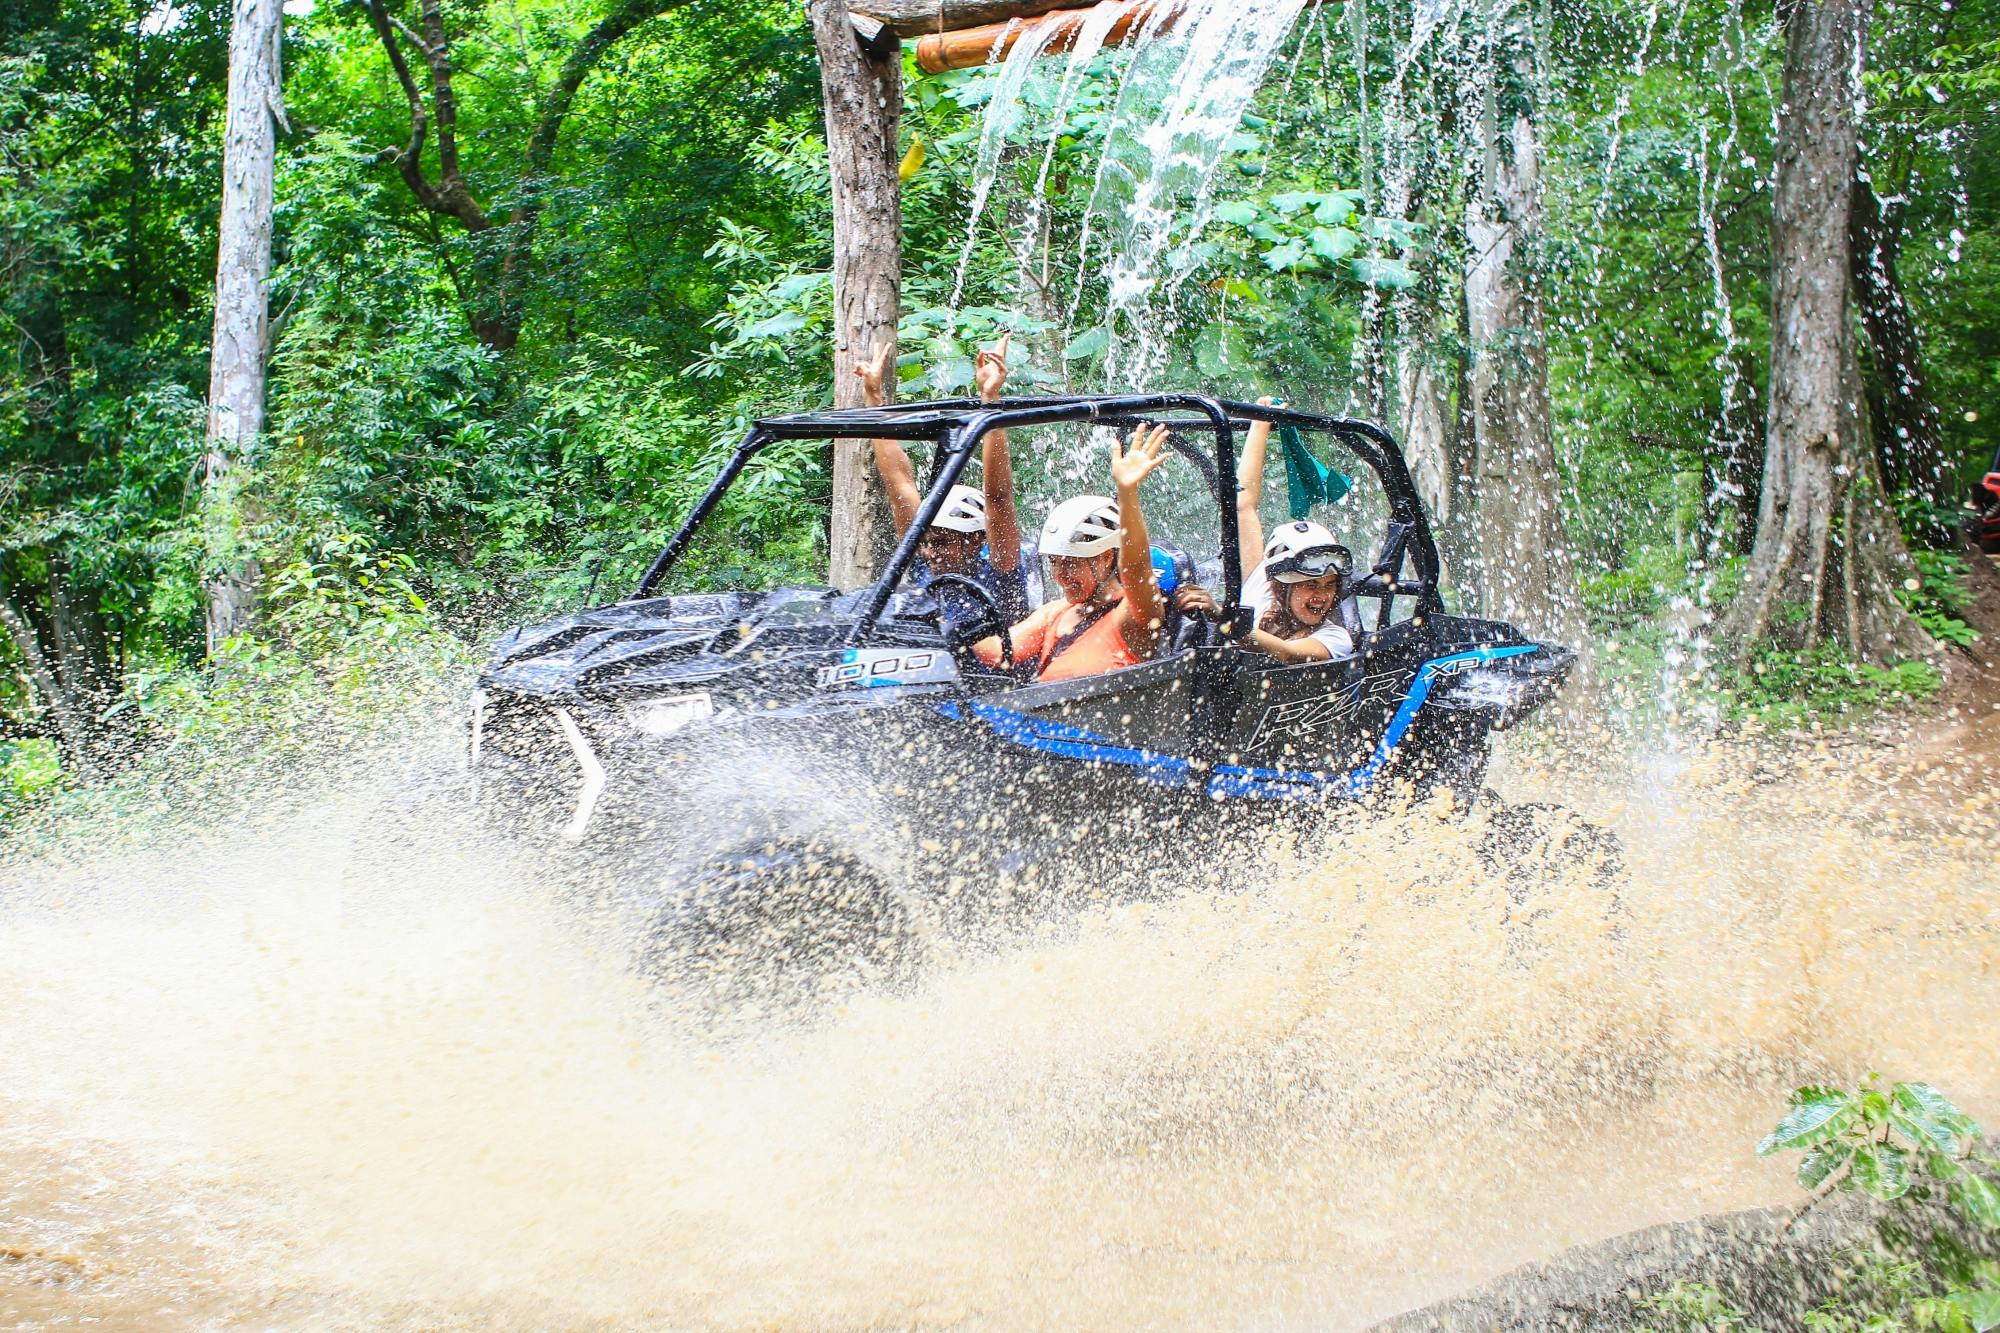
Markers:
point(1451, 666)
point(894, 666)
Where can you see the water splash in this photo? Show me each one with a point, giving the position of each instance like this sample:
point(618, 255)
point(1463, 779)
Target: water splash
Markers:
point(432, 1094)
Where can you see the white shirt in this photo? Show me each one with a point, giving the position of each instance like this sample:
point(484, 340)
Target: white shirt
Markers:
point(1257, 596)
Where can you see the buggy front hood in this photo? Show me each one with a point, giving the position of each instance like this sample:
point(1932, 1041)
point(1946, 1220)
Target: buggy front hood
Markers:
point(789, 642)
point(564, 655)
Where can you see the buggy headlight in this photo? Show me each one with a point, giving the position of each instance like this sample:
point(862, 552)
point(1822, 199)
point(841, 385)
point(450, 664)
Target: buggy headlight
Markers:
point(1486, 688)
point(664, 717)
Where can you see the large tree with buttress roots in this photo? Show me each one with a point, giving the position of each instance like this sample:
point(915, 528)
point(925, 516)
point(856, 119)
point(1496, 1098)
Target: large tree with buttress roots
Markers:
point(1829, 553)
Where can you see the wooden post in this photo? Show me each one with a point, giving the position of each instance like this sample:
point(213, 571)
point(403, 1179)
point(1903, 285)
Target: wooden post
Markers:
point(862, 84)
point(242, 310)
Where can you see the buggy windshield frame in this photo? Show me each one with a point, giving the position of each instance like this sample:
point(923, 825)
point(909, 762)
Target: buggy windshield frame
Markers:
point(956, 426)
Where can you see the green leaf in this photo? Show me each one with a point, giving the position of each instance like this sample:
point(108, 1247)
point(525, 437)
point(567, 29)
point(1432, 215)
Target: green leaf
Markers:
point(1220, 352)
point(1923, 1131)
point(1239, 212)
point(1334, 210)
point(1089, 343)
point(1981, 1309)
point(777, 326)
point(1921, 1099)
point(1285, 257)
point(1379, 272)
point(1292, 201)
point(1882, 1169)
point(1940, 1167)
point(1976, 1197)
point(1817, 1114)
point(1874, 1108)
point(792, 288)
point(1822, 1162)
point(1334, 243)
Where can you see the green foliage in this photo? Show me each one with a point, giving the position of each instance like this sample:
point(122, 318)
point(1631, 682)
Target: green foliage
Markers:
point(1884, 1141)
point(1692, 1307)
point(1782, 690)
point(1884, 1294)
point(28, 769)
point(1907, 1139)
point(1938, 596)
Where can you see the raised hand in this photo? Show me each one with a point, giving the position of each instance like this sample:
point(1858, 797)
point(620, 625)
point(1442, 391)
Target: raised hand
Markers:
point(872, 372)
point(989, 370)
point(1131, 466)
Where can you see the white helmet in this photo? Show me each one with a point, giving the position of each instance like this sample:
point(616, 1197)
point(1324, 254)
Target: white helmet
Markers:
point(1084, 526)
point(964, 511)
point(1300, 551)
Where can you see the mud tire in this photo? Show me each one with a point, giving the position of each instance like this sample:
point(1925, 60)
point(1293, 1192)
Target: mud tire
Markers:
point(784, 923)
point(1525, 843)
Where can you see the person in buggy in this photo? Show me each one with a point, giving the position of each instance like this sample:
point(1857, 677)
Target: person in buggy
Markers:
point(1100, 556)
point(1297, 590)
point(977, 535)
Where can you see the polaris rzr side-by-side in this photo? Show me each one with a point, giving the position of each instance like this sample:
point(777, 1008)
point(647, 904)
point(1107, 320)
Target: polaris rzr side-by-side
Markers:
point(746, 751)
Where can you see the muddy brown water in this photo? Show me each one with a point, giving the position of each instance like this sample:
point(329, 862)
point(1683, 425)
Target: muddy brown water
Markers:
point(242, 1085)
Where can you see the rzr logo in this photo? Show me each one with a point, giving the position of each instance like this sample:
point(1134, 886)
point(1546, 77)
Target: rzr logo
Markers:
point(1320, 719)
point(1305, 719)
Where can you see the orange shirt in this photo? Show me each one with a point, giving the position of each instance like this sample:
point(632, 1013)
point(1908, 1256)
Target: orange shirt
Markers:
point(1101, 648)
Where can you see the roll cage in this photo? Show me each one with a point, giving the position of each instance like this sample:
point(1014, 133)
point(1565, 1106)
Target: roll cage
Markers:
point(956, 426)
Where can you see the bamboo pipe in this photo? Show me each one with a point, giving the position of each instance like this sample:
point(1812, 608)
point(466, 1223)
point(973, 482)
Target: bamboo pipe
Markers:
point(911, 19)
point(1057, 33)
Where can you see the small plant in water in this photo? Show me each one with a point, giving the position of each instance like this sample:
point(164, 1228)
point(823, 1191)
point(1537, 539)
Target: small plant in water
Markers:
point(1904, 1140)
point(1689, 1306)
point(1887, 1142)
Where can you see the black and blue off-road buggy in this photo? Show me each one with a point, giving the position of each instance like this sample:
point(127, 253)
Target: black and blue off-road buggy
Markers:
point(843, 759)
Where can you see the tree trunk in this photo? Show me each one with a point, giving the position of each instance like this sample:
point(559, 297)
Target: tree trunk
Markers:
point(74, 733)
point(242, 311)
point(1526, 575)
point(1910, 437)
point(864, 101)
point(1828, 553)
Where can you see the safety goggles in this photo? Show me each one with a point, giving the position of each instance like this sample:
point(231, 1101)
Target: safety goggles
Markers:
point(1316, 563)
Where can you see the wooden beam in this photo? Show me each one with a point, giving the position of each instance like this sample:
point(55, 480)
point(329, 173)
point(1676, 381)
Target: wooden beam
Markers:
point(1056, 33)
point(919, 18)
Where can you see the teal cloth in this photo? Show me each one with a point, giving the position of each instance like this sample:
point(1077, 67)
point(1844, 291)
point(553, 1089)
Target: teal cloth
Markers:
point(1307, 480)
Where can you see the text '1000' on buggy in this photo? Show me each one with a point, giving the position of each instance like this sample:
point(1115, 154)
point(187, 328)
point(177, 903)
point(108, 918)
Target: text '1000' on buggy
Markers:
point(849, 750)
